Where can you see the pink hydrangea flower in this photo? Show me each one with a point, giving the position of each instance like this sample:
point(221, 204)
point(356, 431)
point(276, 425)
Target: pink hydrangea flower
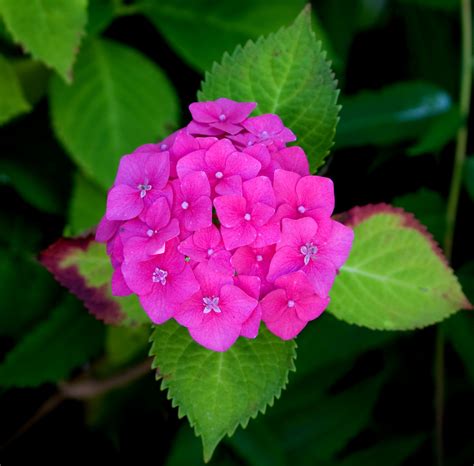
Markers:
point(251, 285)
point(162, 282)
point(319, 253)
point(303, 196)
point(215, 313)
point(140, 179)
point(147, 236)
point(225, 167)
point(206, 246)
point(254, 262)
point(219, 117)
point(288, 308)
point(246, 220)
point(192, 202)
point(292, 159)
point(269, 130)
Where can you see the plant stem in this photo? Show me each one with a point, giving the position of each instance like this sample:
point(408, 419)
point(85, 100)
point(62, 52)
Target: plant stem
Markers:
point(452, 208)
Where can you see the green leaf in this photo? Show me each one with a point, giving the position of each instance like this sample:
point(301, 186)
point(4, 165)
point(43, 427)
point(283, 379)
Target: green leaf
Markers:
point(100, 13)
point(447, 5)
point(83, 267)
point(439, 133)
point(87, 205)
point(391, 452)
point(201, 31)
point(51, 30)
point(219, 391)
point(33, 77)
point(34, 189)
point(285, 73)
point(469, 176)
point(124, 344)
point(119, 100)
point(395, 113)
point(67, 339)
point(396, 277)
point(429, 208)
point(12, 100)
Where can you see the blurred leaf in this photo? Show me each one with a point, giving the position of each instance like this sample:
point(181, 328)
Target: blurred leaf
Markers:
point(83, 267)
point(439, 133)
point(125, 344)
point(317, 348)
point(87, 205)
point(447, 5)
point(100, 13)
point(369, 12)
point(34, 189)
point(202, 30)
point(119, 100)
point(34, 78)
point(54, 348)
point(395, 113)
point(391, 452)
point(396, 277)
point(469, 176)
point(317, 431)
point(429, 208)
point(12, 100)
point(285, 73)
point(220, 391)
point(51, 30)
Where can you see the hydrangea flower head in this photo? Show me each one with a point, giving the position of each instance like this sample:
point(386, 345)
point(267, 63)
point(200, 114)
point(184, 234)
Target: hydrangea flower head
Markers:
point(222, 227)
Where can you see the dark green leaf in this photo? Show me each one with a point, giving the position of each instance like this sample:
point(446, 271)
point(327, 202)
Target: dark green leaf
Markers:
point(51, 30)
point(469, 176)
point(119, 100)
point(34, 78)
point(393, 114)
point(68, 338)
point(100, 13)
point(285, 73)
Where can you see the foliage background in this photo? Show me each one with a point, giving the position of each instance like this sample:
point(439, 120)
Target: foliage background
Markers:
point(358, 396)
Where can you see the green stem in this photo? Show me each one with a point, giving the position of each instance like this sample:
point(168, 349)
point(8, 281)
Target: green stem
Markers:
point(451, 212)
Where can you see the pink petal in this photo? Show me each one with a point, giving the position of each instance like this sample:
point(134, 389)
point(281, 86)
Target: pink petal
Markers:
point(190, 312)
point(321, 274)
point(157, 305)
point(235, 304)
point(259, 152)
point(229, 186)
point(274, 305)
point(194, 185)
point(226, 127)
point(239, 163)
point(337, 248)
point(238, 235)
point(210, 281)
point(267, 235)
point(261, 213)
point(285, 260)
point(215, 334)
point(296, 233)
point(316, 192)
point(292, 159)
point(199, 215)
point(106, 229)
point(236, 111)
point(158, 214)
point(139, 276)
point(123, 203)
point(251, 326)
point(230, 209)
point(157, 170)
point(131, 169)
point(311, 307)
point(205, 112)
point(259, 189)
point(192, 162)
point(119, 287)
point(284, 184)
point(202, 129)
point(288, 326)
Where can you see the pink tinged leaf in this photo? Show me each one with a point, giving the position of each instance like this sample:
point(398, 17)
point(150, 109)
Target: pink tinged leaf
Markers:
point(124, 203)
point(292, 159)
point(315, 192)
point(215, 334)
point(119, 287)
point(259, 189)
point(230, 210)
point(97, 300)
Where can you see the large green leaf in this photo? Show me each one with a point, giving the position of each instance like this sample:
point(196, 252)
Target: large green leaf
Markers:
point(67, 339)
point(396, 277)
point(395, 113)
point(119, 100)
point(83, 267)
point(51, 30)
point(219, 391)
point(285, 73)
point(202, 30)
point(12, 100)
point(429, 208)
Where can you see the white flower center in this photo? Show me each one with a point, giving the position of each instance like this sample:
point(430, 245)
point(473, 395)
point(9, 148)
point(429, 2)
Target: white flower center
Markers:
point(222, 117)
point(291, 303)
point(247, 216)
point(159, 276)
point(211, 304)
point(264, 135)
point(184, 205)
point(143, 188)
point(259, 258)
point(301, 209)
point(164, 146)
point(309, 251)
point(210, 252)
point(219, 175)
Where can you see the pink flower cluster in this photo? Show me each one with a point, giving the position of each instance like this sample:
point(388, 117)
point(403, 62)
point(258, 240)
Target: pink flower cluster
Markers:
point(221, 226)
